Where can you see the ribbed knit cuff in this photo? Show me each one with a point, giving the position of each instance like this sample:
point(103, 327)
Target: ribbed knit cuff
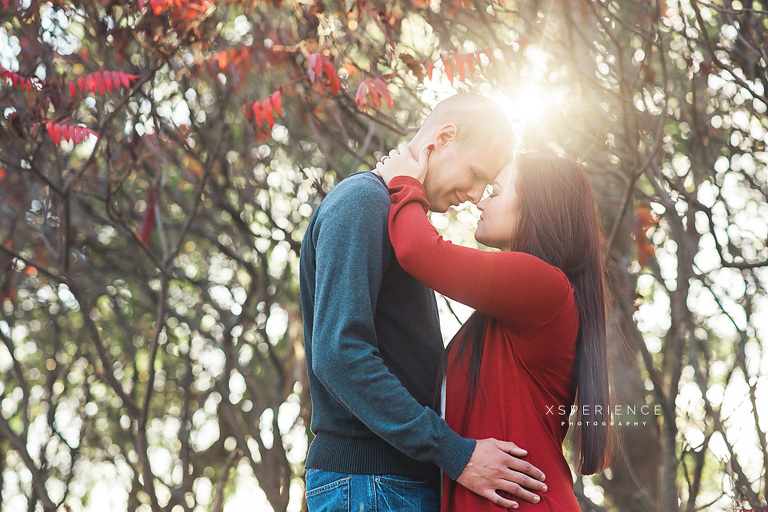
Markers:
point(455, 454)
point(405, 180)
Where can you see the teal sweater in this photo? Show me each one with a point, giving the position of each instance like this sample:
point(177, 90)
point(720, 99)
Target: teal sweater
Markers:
point(373, 345)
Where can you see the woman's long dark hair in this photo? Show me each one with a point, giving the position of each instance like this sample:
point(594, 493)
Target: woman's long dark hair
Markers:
point(558, 223)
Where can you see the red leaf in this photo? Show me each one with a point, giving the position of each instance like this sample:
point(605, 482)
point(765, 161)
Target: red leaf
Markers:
point(266, 110)
point(256, 107)
point(645, 220)
point(7, 292)
point(469, 59)
point(645, 252)
point(74, 133)
point(333, 77)
point(360, 95)
point(459, 67)
point(277, 102)
point(54, 131)
point(381, 87)
point(430, 69)
point(247, 114)
point(100, 83)
point(91, 81)
point(2, 174)
point(66, 131)
point(149, 218)
point(103, 81)
point(22, 82)
point(112, 81)
point(448, 68)
point(157, 6)
point(126, 79)
point(72, 89)
point(319, 65)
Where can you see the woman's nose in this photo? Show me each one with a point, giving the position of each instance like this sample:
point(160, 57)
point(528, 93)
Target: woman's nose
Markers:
point(481, 204)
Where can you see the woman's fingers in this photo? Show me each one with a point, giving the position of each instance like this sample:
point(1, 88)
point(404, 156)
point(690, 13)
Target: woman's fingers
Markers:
point(424, 155)
point(400, 162)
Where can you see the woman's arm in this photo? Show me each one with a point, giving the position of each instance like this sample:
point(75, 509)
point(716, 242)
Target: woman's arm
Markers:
point(516, 288)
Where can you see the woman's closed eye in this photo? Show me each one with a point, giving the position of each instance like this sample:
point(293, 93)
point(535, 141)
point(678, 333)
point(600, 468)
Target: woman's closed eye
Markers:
point(490, 192)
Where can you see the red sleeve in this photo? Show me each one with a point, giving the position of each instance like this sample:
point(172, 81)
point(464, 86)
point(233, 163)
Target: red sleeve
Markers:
point(516, 288)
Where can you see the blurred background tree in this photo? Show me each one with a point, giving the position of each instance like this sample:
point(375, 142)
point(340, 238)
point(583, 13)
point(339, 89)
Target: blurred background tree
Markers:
point(159, 161)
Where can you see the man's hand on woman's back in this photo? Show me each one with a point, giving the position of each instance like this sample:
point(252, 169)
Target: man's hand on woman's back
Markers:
point(497, 466)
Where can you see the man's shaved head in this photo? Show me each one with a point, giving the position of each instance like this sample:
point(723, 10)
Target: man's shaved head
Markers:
point(472, 140)
point(479, 120)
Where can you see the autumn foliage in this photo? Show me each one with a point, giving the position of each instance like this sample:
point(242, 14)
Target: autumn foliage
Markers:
point(263, 112)
point(102, 82)
point(645, 221)
point(370, 94)
point(16, 80)
point(48, 92)
point(68, 132)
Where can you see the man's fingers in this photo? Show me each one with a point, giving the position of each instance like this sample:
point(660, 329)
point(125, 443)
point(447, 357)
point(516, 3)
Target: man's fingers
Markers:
point(497, 500)
point(518, 491)
point(530, 483)
point(525, 468)
point(512, 448)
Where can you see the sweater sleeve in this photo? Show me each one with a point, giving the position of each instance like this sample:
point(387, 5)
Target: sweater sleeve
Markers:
point(518, 289)
point(349, 258)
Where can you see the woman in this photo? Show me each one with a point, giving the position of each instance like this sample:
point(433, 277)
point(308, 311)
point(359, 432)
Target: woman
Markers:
point(537, 342)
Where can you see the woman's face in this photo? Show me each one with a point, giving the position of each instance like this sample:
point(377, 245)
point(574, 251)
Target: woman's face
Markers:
point(499, 211)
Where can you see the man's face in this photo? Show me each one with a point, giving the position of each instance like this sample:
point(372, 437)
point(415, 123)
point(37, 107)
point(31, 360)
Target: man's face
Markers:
point(459, 172)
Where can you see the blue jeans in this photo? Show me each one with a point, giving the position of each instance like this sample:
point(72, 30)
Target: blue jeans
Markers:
point(336, 492)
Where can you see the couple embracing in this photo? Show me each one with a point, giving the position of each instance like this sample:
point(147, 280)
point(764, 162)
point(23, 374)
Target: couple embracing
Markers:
point(402, 423)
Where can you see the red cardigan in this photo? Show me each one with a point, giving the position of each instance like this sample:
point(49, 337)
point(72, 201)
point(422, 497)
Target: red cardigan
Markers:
point(530, 341)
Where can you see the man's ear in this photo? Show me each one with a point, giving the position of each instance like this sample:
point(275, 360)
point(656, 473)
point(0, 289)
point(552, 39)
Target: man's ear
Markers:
point(445, 135)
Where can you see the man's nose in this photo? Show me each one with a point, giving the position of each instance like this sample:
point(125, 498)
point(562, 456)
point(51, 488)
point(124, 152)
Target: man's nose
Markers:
point(475, 195)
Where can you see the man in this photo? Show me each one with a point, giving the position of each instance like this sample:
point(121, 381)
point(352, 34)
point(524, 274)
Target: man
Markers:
point(373, 342)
